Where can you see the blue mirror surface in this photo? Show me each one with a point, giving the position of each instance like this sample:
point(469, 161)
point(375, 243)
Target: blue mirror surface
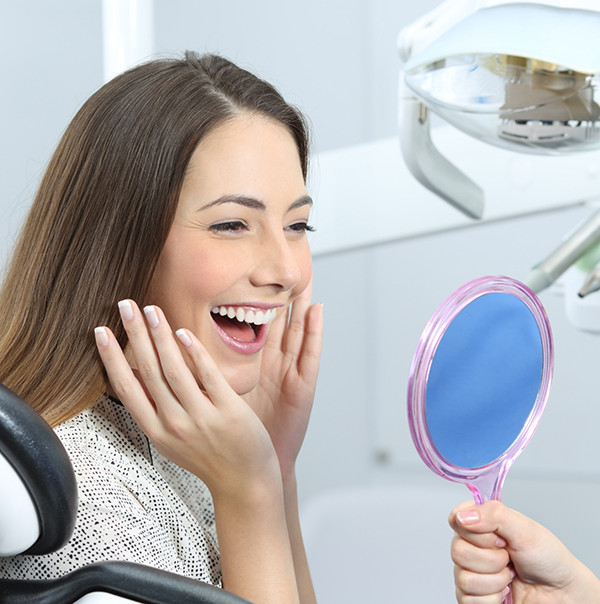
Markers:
point(484, 380)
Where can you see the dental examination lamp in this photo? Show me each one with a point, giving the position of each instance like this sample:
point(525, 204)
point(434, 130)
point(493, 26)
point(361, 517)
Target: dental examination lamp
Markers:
point(522, 76)
point(519, 76)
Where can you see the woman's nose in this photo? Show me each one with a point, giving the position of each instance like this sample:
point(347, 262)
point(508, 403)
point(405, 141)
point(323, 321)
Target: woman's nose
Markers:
point(276, 264)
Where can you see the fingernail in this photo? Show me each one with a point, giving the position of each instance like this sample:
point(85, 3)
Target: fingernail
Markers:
point(501, 542)
point(183, 337)
point(505, 592)
point(468, 516)
point(101, 336)
point(126, 310)
point(151, 316)
point(513, 573)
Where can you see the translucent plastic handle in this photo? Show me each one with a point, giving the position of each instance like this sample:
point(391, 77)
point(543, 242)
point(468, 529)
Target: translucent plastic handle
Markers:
point(488, 488)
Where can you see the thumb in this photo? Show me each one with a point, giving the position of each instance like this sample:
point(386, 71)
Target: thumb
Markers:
point(492, 517)
point(518, 533)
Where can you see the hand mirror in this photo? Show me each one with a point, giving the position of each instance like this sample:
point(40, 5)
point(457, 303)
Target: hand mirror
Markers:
point(479, 382)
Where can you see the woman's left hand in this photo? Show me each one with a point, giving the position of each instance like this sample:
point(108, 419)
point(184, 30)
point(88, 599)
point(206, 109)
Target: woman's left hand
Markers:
point(284, 395)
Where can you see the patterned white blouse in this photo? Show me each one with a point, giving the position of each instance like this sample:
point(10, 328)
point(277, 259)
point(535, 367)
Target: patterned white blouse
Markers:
point(134, 504)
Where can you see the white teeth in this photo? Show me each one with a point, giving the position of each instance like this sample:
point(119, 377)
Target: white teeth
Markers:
point(256, 317)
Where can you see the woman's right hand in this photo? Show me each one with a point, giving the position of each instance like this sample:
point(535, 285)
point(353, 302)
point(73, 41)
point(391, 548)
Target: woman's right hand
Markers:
point(214, 434)
point(494, 545)
point(211, 432)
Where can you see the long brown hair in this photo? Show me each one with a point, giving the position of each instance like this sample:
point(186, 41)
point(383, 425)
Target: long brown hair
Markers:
point(102, 214)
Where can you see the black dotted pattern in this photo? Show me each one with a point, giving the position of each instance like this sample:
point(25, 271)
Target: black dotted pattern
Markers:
point(134, 504)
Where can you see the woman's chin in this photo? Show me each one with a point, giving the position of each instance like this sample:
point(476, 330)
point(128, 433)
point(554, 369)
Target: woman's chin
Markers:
point(242, 382)
point(246, 388)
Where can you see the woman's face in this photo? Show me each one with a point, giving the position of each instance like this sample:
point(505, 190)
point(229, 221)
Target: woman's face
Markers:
point(237, 254)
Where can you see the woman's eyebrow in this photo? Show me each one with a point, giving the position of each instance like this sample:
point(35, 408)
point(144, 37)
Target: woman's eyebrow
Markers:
point(303, 201)
point(242, 200)
point(251, 202)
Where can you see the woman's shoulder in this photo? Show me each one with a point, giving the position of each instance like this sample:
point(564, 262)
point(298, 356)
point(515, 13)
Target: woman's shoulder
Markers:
point(126, 510)
point(105, 431)
point(126, 489)
point(110, 455)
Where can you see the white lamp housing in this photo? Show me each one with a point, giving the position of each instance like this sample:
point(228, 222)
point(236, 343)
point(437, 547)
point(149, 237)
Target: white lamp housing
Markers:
point(523, 76)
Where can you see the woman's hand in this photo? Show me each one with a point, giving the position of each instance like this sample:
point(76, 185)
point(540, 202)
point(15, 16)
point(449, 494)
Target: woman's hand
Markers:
point(215, 435)
point(289, 368)
point(494, 545)
point(212, 433)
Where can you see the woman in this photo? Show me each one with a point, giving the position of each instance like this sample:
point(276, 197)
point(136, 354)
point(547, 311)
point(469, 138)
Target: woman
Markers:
point(494, 546)
point(178, 186)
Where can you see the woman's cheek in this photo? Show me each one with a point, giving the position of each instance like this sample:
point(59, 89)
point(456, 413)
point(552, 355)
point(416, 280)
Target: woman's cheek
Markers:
point(305, 263)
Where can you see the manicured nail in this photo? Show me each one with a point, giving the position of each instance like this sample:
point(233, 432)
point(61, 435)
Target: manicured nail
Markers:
point(101, 337)
point(468, 517)
point(151, 316)
point(183, 337)
point(126, 310)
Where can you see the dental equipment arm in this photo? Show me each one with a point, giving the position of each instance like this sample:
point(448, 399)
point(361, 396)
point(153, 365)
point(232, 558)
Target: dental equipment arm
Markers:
point(429, 166)
point(567, 253)
point(591, 284)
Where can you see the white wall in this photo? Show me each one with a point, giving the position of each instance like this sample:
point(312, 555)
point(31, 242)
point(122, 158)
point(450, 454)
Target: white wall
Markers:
point(51, 61)
point(336, 59)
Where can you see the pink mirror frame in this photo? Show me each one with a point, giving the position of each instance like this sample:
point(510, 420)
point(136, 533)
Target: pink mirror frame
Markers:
point(484, 482)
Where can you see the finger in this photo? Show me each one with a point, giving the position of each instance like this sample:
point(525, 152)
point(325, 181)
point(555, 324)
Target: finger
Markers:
point(177, 374)
point(494, 517)
point(478, 559)
point(463, 598)
point(214, 383)
point(465, 515)
point(125, 385)
point(308, 365)
point(147, 362)
point(294, 334)
point(275, 336)
point(492, 586)
point(467, 599)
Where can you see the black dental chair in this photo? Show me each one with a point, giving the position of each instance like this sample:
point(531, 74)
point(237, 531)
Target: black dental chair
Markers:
point(38, 505)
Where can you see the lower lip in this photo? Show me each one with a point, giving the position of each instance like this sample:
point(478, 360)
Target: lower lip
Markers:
point(245, 347)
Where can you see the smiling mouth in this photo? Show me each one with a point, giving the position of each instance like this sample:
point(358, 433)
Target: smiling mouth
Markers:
point(241, 324)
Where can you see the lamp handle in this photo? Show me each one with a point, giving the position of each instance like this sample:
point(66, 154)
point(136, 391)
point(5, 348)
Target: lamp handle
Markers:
point(429, 166)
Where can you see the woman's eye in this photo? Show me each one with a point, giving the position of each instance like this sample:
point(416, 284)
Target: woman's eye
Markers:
point(301, 227)
point(224, 227)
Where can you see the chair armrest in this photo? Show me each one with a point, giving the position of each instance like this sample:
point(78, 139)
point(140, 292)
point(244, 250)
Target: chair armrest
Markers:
point(135, 581)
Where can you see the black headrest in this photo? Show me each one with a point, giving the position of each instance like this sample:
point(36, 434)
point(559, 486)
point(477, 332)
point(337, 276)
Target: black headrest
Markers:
point(33, 449)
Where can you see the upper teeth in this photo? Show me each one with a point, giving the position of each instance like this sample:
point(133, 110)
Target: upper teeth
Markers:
point(257, 317)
